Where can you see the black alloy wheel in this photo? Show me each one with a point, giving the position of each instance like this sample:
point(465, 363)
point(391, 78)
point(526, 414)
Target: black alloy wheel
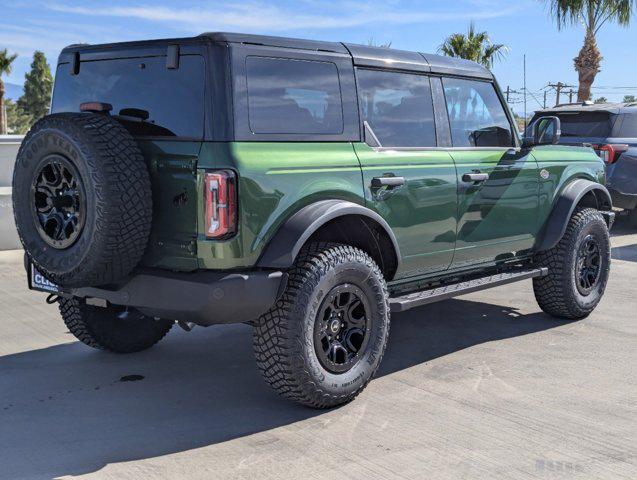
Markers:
point(59, 202)
point(588, 265)
point(341, 330)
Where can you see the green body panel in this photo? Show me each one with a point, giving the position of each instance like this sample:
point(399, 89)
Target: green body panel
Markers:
point(499, 217)
point(442, 224)
point(564, 164)
point(275, 181)
point(422, 213)
point(173, 167)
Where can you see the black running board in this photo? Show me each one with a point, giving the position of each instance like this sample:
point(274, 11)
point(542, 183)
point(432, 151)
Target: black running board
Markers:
point(424, 297)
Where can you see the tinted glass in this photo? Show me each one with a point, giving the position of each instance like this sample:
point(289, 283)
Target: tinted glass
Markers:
point(293, 96)
point(398, 107)
point(586, 124)
point(628, 127)
point(476, 115)
point(172, 99)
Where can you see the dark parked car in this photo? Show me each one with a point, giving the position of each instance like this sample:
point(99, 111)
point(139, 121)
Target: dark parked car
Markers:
point(611, 129)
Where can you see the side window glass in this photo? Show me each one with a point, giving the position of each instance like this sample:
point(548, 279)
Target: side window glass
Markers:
point(629, 126)
point(293, 96)
point(476, 115)
point(398, 107)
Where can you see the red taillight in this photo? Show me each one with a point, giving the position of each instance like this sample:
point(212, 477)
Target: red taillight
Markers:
point(220, 203)
point(610, 152)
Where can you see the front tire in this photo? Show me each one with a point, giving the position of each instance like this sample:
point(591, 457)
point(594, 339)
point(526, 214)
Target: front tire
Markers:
point(117, 329)
point(322, 342)
point(578, 268)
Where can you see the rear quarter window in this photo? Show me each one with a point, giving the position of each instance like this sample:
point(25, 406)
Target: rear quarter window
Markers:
point(287, 96)
point(172, 98)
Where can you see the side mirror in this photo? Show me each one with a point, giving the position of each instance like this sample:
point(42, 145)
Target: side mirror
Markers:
point(544, 131)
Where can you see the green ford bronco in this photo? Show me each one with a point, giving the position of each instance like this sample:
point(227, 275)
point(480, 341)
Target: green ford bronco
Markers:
point(307, 188)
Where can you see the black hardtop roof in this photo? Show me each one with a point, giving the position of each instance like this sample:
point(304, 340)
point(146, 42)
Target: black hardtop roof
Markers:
point(366, 55)
point(361, 54)
point(614, 108)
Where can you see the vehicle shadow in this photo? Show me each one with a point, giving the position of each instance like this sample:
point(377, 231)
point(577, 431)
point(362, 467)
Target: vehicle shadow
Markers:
point(64, 410)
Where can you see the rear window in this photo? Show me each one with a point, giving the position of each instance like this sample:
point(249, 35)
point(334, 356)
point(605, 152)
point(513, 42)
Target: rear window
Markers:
point(293, 96)
point(172, 98)
point(586, 124)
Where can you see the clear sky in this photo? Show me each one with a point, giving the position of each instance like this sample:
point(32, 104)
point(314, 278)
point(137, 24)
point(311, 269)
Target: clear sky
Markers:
point(523, 25)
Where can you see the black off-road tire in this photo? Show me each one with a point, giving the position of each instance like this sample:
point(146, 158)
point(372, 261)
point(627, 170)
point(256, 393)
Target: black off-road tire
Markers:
point(557, 293)
point(114, 185)
point(283, 338)
point(116, 329)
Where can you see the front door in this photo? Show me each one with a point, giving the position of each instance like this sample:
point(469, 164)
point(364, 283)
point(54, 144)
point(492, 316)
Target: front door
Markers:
point(498, 185)
point(410, 183)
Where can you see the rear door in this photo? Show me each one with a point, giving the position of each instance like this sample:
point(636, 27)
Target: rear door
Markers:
point(164, 109)
point(497, 182)
point(407, 180)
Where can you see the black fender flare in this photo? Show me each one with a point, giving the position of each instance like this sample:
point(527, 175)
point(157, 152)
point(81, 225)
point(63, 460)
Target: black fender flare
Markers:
point(564, 207)
point(284, 246)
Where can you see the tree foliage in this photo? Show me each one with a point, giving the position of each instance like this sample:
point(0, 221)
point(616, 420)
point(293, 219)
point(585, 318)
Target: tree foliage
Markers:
point(38, 83)
point(18, 122)
point(473, 45)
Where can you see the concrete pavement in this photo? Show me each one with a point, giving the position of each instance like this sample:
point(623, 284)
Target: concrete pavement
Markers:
point(481, 387)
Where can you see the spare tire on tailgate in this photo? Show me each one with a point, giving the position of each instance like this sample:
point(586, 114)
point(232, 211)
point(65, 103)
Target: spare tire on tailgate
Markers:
point(82, 199)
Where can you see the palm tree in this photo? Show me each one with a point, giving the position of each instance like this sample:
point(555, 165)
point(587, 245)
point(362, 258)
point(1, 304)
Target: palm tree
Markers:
point(5, 68)
point(476, 46)
point(592, 14)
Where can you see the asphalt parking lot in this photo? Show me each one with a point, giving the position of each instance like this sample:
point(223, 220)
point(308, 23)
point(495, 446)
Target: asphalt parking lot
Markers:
point(481, 387)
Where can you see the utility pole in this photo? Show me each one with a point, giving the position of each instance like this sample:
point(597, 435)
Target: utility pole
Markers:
point(524, 70)
point(558, 89)
point(559, 86)
point(544, 98)
point(508, 92)
point(570, 95)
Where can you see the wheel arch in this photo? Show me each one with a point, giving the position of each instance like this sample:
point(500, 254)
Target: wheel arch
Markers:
point(578, 193)
point(334, 221)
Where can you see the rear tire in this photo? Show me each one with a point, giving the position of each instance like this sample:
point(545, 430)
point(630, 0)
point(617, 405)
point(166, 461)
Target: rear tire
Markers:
point(116, 329)
point(322, 342)
point(578, 268)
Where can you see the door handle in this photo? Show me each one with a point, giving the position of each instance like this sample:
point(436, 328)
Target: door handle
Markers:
point(390, 182)
point(476, 177)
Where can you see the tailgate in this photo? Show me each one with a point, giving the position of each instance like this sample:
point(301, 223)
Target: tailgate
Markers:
point(173, 171)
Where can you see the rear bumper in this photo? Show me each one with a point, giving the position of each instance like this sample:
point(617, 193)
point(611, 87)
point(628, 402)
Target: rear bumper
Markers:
point(204, 298)
point(621, 181)
point(627, 201)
